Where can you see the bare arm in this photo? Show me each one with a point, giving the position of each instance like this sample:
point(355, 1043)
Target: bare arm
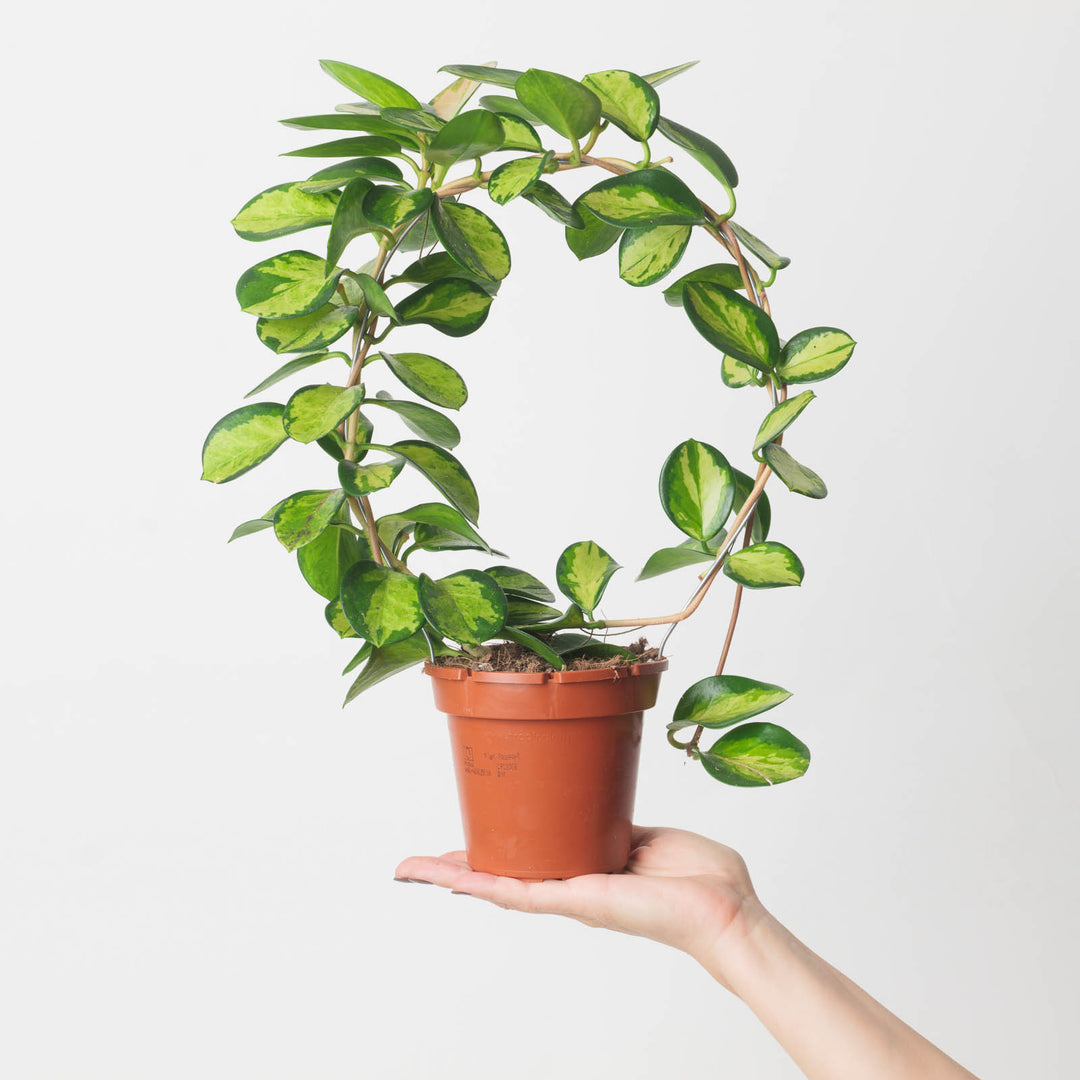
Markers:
point(695, 895)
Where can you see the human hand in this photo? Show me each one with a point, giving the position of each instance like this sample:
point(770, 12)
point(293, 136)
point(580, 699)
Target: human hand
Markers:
point(678, 888)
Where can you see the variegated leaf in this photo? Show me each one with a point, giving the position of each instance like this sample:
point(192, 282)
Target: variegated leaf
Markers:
point(646, 255)
point(441, 516)
point(381, 604)
point(515, 582)
point(448, 102)
point(756, 755)
point(697, 488)
point(344, 172)
point(702, 150)
point(442, 469)
point(560, 102)
point(627, 100)
point(815, 354)
point(744, 484)
point(760, 249)
point(377, 89)
point(594, 237)
point(796, 477)
point(325, 561)
point(284, 286)
point(374, 296)
point(518, 133)
point(782, 417)
point(302, 517)
point(583, 572)
point(726, 274)
point(454, 306)
point(467, 607)
point(281, 210)
point(515, 177)
point(315, 331)
point(554, 204)
point(428, 378)
point(426, 422)
point(662, 76)
point(722, 700)
point(472, 238)
point(646, 197)
point(361, 480)
point(470, 134)
point(390, 208)
point(735, 374)
point(314, 411)
point(241, 440)
point(732, 324)
point(335, 617)
point(767, 565)
point(291, 367)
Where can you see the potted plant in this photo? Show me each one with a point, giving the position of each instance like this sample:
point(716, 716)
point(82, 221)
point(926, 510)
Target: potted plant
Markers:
point(545, 709)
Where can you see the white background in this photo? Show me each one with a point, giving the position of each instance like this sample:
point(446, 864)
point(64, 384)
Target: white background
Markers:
point(196, 842)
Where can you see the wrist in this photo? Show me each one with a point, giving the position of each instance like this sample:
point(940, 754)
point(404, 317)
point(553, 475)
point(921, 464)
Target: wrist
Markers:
point(728, 951)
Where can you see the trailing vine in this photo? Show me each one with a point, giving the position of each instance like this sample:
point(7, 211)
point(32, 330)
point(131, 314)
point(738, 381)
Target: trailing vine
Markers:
point(305, 303)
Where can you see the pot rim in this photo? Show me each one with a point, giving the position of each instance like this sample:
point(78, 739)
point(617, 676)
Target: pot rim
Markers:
point(531, 678)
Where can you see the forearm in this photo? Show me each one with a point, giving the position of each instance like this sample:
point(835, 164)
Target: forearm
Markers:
point(832, 1029)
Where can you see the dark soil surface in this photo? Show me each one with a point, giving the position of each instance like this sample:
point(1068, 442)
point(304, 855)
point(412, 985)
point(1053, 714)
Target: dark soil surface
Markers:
point(512, 657)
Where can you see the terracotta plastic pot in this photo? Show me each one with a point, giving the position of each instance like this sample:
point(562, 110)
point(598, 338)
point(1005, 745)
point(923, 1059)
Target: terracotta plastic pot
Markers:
point(546, 764)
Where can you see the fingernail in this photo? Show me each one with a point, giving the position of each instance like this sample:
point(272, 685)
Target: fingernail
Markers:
point(459, 892)
point(414, 880)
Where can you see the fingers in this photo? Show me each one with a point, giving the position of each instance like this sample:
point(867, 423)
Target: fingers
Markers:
point(438, 871)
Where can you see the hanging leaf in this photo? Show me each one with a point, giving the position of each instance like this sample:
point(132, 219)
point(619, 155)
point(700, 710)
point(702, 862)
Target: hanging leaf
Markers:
point(428, 378)
point(780, 418)
point(361, 480)
point(732, 324)
point(467, 607)
point(815, 354)
point(515, 177)
point(302, 517)
point(560, 102)
point(470, 134)
point(336, 619)
point(359, 656)
point(374, 88)
point(762, 511)
point(350, 221)
point(627, 100)
point(281, 210)
point(722, 700)
point(594, 237)
point(381, 604)
point(287, 285)
point(241, 440)
point(697, 488)
point(291, 367)
point(518, 133)
point(583, 572)
point(352, 147)
point(440, 516)
point(515, 582)
point(472, 238)
point(735, 374)
point(760, 249)
point(437, 266)
point(756, 755)
point(343, 172)
point(502, 106)
point(376, 299)
point(702, 150)
point(314, 411)
point(646, 197)
point(391, 659)
point(646, 255)
point(425, 422)
point(552, 202)
point(726, 274)
point(325, 561)
point(390, 208)
point(432, 538)
point(496, 76)
point(658, 77)
point(796, 477)
point(454, 306)
point(768, 565)
point(672, 558)
point(442, 469)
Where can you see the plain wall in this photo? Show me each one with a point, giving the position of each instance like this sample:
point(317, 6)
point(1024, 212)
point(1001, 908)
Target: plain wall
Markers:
point(197, 843)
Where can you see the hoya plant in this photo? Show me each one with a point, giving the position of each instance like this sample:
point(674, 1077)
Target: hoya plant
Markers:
point(408, 194)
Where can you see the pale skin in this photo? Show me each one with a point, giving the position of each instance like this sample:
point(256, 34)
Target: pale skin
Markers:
point(695, 895)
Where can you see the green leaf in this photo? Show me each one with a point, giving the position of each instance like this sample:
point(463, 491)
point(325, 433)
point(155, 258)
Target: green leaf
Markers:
point(732, 324)
point(515, 177)
point(672, 558)
point(519, 637)
point(726, 274)
point(780, 418)
point(291, 367)
point(815, 354)
point(627, 100)
point(472, 238)
point(646, 197)
point(381, 604)
point(374, 88)
point(391, 659)
point(756, 755)
point(662, 76)
point(302, 517)
point(702, 150)
point(583, 572)
point(359, 657)
point(439, 516)
point(502, 106)
point(354, 146)
point(763, 512)
point(413, 119)
point(552, 202)
point(254, 525)
point(241, 440)
point(560, 102)
point(390, 208)
point(522, 612)
point(425, 422)
point(350, 221)
point(722, 700)
point(442, 469)
point(314, 331)
point(602, 650)
point(467, 607)
point(518, 133)
point(515, 582)
point(735, 374)
point(314, 411)
point(348, 121)
point(428, 378)
point(281, 287)
point(565, 644)
point(760, 249)
point(454, 306)
point(361, 480)
point(796, 477)
point(281, 210)
point(325, 561)
point(343, 172)
point(646, 255)
point(496, 76)
point(470, 134)
point(437, 266)
point(432, 538)
point(337, 621)
point(768, 565)
point(697, 488)
point(594, 237)
point(377, 300)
